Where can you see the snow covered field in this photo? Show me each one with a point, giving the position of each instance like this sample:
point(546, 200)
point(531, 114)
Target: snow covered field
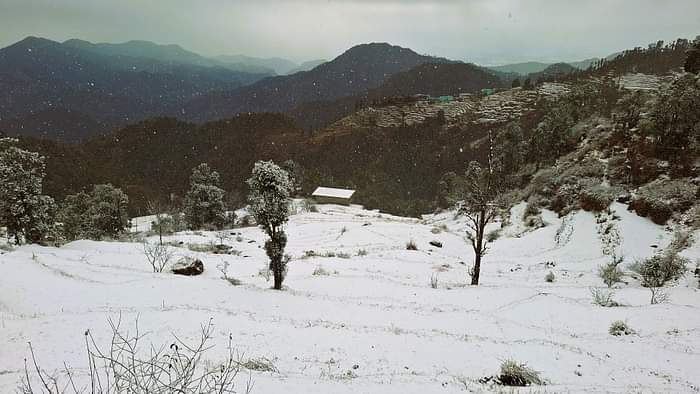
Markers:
point(375, 315)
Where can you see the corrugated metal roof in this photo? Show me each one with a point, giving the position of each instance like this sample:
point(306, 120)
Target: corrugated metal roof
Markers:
point(332, 192)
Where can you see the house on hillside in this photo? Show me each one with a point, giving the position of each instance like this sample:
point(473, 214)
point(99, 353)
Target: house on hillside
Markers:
point(331, 195)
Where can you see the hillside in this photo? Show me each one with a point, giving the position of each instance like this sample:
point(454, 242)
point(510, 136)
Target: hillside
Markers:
point(370, 322)
point(434, 79)
point(360, 68)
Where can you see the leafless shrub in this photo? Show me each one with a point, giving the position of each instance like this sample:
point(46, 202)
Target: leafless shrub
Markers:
point(125, 367)
point(434, 280)
point(411, 245)
point(158, 255)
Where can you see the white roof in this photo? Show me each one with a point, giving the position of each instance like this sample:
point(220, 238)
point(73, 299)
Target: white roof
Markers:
point(332, 192)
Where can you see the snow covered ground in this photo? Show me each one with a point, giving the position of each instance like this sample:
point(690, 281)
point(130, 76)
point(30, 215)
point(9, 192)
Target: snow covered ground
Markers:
point(375, 315)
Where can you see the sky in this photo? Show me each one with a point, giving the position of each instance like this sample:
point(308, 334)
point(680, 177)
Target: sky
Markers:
point(487, 32)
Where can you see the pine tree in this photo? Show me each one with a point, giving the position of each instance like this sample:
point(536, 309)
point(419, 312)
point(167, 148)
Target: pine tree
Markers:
point(27, 214)
point(269, 204)
point(204, 202)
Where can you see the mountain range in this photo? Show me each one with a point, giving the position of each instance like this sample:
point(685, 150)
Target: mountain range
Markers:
point(75, 90)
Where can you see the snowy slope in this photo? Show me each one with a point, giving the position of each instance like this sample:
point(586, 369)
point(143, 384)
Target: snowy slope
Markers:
point(378, 312)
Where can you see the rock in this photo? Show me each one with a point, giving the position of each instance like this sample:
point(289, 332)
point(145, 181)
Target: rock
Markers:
point(188, 266)
point(437, 244)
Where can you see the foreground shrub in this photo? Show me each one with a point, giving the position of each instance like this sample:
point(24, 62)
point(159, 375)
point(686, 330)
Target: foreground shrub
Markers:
point(411, 245)
point(611, 272)
point(657, 270)
point(550, 277)
point(518, 374)
point(128, 367)
point(618, 328)
point(603, 298)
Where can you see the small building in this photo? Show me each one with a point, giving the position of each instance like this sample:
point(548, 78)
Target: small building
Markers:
point(331, 195)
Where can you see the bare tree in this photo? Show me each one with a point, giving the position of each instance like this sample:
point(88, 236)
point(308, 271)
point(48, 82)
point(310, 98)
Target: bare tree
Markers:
point(478, 204)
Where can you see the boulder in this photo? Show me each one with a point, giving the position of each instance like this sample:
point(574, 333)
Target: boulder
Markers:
point(437, 244)
point(188, 266)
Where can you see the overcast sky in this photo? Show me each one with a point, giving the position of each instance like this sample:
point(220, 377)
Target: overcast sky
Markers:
point(482, 31)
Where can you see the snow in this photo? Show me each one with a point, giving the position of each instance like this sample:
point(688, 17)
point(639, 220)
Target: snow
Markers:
point(378, 311)
point(332, 192)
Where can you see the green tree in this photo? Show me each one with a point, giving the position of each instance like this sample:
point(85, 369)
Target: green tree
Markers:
point(107, 214)
point(675, 119)
point(269, 204)
point(27, 214)
point(204, 202)
point(509, 148)
point(73, 217)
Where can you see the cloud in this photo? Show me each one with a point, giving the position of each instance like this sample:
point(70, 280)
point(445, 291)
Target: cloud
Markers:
point(485, 31)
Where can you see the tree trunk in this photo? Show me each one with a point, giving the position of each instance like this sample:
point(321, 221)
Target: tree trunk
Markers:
point(477, 270)
point(277, 273)
point(479, 247)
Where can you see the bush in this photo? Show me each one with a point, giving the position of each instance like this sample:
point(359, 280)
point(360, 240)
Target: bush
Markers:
point(411, 245)
point(611, 272)
point(434, 281)
point(603, 298)
point(320, 271)
point(550, 277)
point(660, 199)
point(596, 198)
point(493, 235)
point(518, 374)
point(660, 268)
point(618, 328)
point(261, 364)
